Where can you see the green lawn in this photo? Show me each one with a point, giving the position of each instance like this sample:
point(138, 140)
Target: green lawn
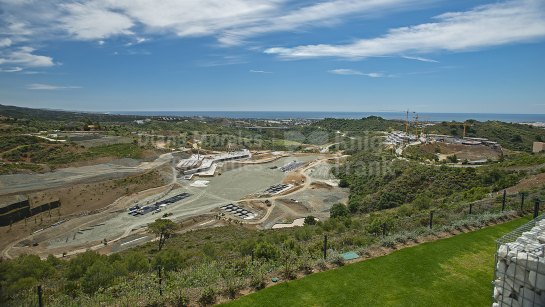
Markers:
point(452, 272)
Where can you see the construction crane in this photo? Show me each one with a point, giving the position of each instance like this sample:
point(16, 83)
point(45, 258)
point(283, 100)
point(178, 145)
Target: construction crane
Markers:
point(416, 118)
point(465, 124)
point(407, 122)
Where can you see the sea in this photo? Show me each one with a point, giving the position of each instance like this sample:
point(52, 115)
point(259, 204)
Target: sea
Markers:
point(429, 117)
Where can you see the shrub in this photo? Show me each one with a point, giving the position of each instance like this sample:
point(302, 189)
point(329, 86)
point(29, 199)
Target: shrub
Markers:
point(338, 210)
point(257, 278)
point(400, 237)
point(305, 264)
point(446, 228)
point(232, 285)
point(321, 264)
point(388, 242)
point(99, 275)
point(336, 259)
point(266, 250)
point(310, 220)
point(180, 300)
point(208, 297)
point(169, 259)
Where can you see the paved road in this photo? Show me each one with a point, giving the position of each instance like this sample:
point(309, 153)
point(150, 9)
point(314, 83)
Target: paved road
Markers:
point(24, 183)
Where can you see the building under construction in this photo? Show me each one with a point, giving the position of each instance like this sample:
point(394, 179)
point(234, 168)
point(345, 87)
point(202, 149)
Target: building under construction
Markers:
point(206, 164)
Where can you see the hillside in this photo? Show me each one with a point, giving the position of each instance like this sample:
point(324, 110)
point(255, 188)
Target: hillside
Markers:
point(510, 135)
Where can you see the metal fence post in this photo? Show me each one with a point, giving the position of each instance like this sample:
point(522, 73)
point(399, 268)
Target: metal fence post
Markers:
point(503, 200)
point(431, 219)
point(325, 247)
point(470, 208)
point(522, 202)
point(40, 293)
point(160, 280)
point(536, 208)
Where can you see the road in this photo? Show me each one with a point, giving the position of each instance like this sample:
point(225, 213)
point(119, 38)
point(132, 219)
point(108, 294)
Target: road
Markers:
point(25, 183)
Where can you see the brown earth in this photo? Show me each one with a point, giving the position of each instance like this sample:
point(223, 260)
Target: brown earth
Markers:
point(81, 199)
point(294, 178)
point(320, 185)
point(529, 182)
point(463, 152)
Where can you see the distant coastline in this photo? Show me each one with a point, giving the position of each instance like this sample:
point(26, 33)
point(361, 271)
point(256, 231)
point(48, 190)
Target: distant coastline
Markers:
point(433, 117)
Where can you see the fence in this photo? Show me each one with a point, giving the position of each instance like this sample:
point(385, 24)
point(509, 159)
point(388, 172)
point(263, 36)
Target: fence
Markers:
point(319, 249)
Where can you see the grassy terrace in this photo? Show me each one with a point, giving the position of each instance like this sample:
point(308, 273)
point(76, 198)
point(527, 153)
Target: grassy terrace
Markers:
point(451, 272)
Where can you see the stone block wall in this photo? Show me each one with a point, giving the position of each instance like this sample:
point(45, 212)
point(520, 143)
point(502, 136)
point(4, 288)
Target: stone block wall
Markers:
point(520, 268)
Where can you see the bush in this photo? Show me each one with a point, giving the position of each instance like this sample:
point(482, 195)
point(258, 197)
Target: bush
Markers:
point(336, 258)
point(310, 220)
point(305, 264)
point(400, 237)
point(267, 251)
point(136, 262)
point(232, 285)
point(343, 183)
point(99, 275)
point(338, 210)
point(321, 264)
point(208, 297)
point(388, 242)
point(180, 300)
point(169, 259)
point(257, 278)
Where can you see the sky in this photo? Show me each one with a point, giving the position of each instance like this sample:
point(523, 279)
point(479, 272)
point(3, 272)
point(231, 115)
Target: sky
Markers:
point(467, 56)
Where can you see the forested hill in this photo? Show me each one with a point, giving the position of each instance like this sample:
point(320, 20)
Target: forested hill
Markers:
point(371, 123)
point(60, 115)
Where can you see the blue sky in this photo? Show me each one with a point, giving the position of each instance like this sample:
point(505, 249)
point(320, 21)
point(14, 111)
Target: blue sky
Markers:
point(278, 55)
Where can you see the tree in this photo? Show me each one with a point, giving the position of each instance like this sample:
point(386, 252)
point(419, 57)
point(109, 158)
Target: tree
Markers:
point(99, 275)
point(266, 250)
point(344, 183)
point(169, 259)
point(310, 220)
point(338, 210)
point(137, 262)
point(163, 228)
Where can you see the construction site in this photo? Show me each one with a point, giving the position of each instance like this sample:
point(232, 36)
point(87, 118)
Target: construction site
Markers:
point(257, 191)
point(470, 150)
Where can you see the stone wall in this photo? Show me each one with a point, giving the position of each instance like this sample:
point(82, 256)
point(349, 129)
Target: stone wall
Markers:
point(520, 267)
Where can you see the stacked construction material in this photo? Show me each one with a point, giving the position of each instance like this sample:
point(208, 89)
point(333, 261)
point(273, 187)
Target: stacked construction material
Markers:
point(520, 267)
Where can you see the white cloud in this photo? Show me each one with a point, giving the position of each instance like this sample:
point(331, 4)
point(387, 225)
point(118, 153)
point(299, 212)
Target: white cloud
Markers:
point(353, 72)
point(421, 59)
point(92, 21)
point(5, 42)
point(231, 21)
point(101, 42)
point(260, 71)
point(12, 69)
point(344, 71)
point(138, 40)
point(222, 60)
point(325, 13)
point(49, 87)
point(484, 26)
point(25, 56)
